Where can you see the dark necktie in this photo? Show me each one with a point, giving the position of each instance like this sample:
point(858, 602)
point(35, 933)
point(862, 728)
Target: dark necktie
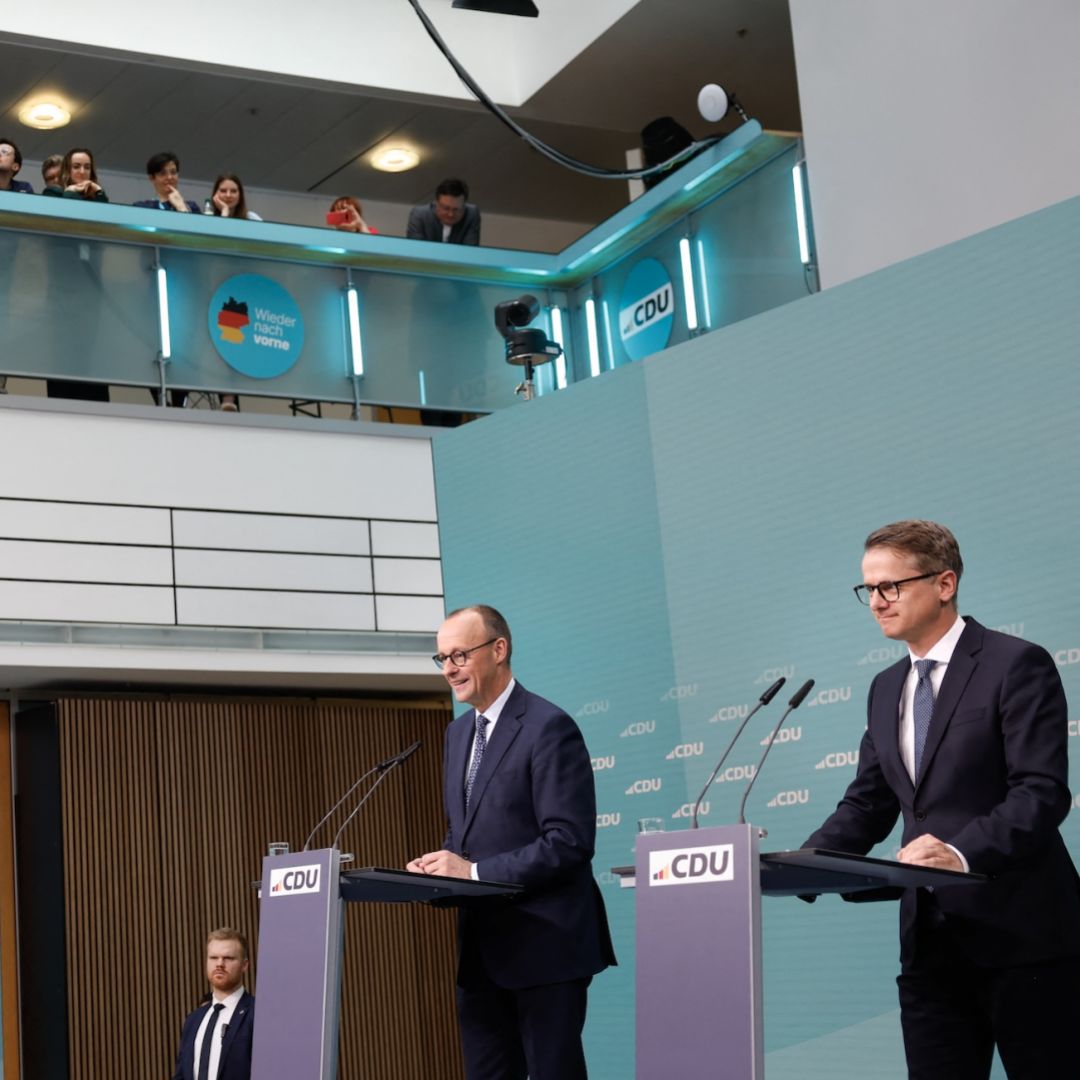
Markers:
point(479, 746)
point(923, 709)
point(207, 1042)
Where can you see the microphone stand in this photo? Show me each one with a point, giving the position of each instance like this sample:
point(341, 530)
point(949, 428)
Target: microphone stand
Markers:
point(793, 704)
point(763, 700)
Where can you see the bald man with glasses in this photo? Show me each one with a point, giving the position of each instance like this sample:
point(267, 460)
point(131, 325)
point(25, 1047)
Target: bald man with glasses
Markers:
point(966, 739)
point(521, 808)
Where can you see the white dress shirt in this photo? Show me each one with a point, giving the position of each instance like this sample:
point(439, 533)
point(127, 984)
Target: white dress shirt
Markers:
point(224, 1019)
point(941, 653)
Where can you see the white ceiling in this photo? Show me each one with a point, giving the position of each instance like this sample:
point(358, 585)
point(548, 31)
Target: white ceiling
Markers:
point(303, 134)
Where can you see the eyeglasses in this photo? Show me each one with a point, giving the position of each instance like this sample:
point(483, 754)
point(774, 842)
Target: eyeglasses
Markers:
point(889, 591)
point(459, 657)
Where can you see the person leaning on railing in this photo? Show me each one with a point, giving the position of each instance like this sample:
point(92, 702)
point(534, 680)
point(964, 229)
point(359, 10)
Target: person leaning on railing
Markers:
point(164, 172)
point(227, 199)
point(78, 178)
point(348, 209)
point(10, 164)
point(50, 169)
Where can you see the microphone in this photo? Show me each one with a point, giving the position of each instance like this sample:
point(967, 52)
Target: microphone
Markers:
point(763, 700)
point(387, 768)
point(397, 759)
point(381, 767)
point(793, 704)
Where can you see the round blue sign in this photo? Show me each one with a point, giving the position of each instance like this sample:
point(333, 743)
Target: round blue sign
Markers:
point(255, 326)
point(646, 309)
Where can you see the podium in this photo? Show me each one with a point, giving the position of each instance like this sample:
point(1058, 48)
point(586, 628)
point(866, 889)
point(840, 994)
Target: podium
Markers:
point(301, 934)
point(699, 994)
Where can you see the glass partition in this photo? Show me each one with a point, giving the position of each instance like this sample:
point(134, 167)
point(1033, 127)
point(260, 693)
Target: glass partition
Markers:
point(100, 293)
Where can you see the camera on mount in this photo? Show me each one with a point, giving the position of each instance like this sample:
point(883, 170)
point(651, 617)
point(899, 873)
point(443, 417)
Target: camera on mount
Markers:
point(524, 348)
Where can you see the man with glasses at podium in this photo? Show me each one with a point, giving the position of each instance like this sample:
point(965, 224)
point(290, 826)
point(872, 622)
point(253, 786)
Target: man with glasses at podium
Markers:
point(967, 739)
point(521, 807)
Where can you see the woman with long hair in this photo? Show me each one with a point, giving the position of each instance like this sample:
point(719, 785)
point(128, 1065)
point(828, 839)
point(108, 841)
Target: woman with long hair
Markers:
point(227, 199)
point(78, 178)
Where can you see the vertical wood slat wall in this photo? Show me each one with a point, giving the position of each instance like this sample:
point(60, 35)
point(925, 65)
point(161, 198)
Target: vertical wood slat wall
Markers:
point(167, 810)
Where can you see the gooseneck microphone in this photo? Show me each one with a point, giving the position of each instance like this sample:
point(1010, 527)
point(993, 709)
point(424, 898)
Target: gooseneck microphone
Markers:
point(793, 704)
point(386, 768)
point(381, 767)
point(762, 701)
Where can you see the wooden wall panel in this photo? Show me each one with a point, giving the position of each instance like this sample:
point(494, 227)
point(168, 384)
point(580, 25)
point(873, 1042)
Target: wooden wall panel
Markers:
point(168, 807)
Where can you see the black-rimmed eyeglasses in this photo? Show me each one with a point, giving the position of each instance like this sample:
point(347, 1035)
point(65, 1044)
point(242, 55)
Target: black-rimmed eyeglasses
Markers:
point(889, 591)
point(459, 657)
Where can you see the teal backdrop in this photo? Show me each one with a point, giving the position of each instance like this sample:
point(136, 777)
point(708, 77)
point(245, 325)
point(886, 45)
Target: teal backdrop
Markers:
point(668, 538)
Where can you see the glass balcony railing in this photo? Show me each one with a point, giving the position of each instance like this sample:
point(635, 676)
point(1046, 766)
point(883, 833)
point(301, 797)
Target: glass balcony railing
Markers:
point(124, 296)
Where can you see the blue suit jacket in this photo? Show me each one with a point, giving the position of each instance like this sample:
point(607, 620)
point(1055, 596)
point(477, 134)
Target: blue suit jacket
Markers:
point(532, 822)
point(424, 224)
point(994, 784)
point(235, 1061)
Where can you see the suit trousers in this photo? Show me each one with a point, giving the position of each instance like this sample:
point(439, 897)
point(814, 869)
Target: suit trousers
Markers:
point(953, 1012)
point(534, 1032)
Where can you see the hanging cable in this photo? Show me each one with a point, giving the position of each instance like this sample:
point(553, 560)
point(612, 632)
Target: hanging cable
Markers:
point(539, 145)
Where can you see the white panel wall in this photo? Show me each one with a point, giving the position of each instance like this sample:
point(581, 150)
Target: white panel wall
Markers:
point(312, 524)
point(926, 121)
point(137, 458)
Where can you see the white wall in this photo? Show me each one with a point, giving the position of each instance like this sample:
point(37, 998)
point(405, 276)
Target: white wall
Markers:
point(927, 121)
point(125, 525)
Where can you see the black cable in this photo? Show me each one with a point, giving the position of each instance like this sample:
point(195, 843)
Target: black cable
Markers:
point(537, 144)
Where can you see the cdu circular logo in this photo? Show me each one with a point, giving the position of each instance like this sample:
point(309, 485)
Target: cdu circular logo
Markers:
point(255, 326)
point(646, 309)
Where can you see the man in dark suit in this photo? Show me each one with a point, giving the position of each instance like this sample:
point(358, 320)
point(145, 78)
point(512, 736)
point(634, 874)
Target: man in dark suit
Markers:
point(449, 219)
point(215, 1043)
point(521, 806)
point(967, 739)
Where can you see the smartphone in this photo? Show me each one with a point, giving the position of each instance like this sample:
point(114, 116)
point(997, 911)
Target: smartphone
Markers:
point(337, 217)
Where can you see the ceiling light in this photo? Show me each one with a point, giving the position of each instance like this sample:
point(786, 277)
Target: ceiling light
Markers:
point(395, 159)
point(44, 115)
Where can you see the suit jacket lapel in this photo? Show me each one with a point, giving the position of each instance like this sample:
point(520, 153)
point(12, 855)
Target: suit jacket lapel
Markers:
point(457, 760)
point(886, 723)
point(958, 674)
point(238, 1017)
point(506, 731)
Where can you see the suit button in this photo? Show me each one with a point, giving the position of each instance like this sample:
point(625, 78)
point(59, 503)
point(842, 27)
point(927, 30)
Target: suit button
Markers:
point(920, 815)
point(465, 855)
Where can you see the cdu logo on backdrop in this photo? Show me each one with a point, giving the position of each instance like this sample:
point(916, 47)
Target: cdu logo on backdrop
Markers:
point(646, 309)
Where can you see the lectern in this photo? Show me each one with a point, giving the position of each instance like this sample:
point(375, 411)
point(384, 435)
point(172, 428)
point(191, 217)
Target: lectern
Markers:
point(301, 928)
point(699, 1000)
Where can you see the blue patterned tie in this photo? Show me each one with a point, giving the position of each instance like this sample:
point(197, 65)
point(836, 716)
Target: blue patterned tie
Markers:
point(923, 708)
point(479, 746)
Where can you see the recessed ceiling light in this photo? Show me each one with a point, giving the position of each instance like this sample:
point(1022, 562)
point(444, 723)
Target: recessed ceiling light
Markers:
point(395, 159)
point(44, 115)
